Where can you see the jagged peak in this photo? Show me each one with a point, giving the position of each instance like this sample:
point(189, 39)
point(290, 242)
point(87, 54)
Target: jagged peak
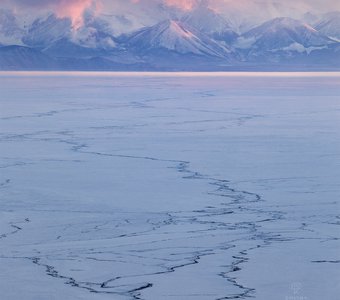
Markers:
point(286, 22)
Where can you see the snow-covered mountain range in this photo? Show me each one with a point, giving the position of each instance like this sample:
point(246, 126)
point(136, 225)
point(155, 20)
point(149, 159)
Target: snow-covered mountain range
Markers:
point(171, 39)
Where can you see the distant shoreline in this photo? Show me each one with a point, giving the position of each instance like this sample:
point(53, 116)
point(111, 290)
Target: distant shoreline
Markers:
point(174, 73)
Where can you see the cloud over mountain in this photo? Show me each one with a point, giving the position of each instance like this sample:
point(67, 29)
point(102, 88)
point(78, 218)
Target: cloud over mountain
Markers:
point(169, 34)
point(76, 7)
point(72, 9)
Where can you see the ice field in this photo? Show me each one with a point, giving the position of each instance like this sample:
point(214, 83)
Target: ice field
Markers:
point(169, 186)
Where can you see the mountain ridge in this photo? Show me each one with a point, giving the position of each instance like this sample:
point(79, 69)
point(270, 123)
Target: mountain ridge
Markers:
point(199, 39)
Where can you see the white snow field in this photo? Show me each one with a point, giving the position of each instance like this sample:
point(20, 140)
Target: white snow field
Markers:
point(169, 186)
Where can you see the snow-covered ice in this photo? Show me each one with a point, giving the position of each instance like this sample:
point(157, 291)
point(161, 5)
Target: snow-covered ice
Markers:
point(169, 186)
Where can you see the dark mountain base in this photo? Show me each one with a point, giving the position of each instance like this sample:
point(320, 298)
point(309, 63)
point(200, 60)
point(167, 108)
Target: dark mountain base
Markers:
point(17, 58)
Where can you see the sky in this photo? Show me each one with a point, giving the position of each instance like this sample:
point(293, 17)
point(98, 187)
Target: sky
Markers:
point(75, 9)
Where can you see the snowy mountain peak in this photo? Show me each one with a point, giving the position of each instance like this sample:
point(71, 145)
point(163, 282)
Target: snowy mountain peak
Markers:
point(286, 22)
point(210, 22)
point(45, 31)
point(174, 29)
point(283, 34)
point(285, 25)
point(206, 20)
point(176, 36)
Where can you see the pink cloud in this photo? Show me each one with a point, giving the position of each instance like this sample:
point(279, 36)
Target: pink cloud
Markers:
point(182, 4)
point(74, 10)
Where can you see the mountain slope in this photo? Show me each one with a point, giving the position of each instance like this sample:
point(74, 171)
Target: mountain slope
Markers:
point(24, 58)
point(10, 31)
point(283, 32)
point(176, 36)
point(66, 48)
point(330, 25)
point(206, 20)
point(44, 31)
point(280, 39)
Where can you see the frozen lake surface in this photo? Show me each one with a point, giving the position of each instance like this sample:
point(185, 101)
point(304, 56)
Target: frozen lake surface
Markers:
point(173, 186)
